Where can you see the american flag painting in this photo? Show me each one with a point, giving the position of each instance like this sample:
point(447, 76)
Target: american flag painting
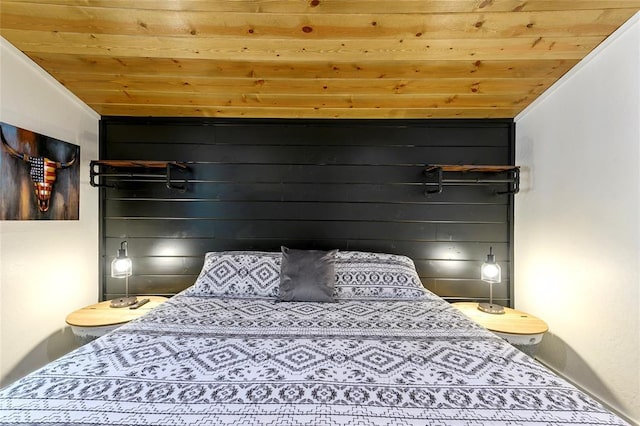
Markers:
point(39, 176)
point(43, 175)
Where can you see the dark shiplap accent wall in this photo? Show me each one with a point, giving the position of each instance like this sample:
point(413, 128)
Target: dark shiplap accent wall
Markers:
point(352, 185)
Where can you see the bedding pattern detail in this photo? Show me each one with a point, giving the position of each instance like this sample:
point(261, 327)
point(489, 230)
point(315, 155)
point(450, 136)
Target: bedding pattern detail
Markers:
point(206, 360)
point(370, 276)
point(238, 274)
point(359, 276)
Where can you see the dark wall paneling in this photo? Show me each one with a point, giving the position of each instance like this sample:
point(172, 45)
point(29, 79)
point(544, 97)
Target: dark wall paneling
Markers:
point(352, 185)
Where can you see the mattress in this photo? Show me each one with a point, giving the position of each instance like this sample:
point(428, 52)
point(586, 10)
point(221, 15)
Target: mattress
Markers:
point(217, 360)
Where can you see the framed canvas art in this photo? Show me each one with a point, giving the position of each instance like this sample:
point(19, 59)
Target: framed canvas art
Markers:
point(39, 176)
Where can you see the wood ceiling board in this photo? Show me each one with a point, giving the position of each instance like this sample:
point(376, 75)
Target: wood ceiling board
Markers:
point(86, 83)
point(316, 112)
point(94, 65)
point(351, 6)
point(306, 100)
point(314, 58)
point(162, 23)
point(250, 50)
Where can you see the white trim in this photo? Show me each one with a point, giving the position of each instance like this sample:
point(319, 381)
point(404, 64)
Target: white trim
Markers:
point(595, 52)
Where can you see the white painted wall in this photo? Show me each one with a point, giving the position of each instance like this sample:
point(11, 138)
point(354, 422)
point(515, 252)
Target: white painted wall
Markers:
point(577, 221)
point(47, 268)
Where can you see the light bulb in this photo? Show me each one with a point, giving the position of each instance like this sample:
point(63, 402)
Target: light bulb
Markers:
point(122, 265)
point(491, 271)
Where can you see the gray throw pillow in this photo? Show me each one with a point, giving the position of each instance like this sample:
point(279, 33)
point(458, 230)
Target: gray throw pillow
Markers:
point(307, 275)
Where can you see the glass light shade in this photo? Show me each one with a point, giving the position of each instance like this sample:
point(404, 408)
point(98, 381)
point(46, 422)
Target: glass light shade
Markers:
point(121, 267)
point(491, 273)
point(490, 270)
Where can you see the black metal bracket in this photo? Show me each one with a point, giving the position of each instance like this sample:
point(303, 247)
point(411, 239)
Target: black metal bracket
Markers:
point(169, 183)
point(95, 172)
point(440, 175)
point(513, 177)
point(514, 184)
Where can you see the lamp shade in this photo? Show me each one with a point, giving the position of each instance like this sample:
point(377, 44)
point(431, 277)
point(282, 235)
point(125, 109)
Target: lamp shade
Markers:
point(490, 270)
point(122, 267)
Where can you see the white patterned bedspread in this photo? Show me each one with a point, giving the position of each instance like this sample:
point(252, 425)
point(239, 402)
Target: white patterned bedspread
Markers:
point(212, 361)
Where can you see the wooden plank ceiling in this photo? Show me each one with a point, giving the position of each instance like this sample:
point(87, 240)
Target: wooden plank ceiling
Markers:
point(311, 58)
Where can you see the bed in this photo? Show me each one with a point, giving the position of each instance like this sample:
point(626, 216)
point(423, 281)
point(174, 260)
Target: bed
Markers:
point(231, 350)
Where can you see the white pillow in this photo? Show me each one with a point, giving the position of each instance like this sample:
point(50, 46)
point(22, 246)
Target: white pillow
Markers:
point(370, 276)
point(238, 274)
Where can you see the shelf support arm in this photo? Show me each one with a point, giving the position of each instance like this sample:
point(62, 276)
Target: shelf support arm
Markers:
point(440, 187)
point(94, 176)
point(169, 183)
point(514, 186)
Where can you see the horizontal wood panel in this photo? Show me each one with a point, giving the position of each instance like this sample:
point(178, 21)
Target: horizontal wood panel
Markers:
point(165, 265)
point(198, 228)
point(356, 6)
point(305, 192)
point(481, 232)
point(312, 59)
point(469, 289)
point(260, 184)
point(389, 134)
point(310, 106)
point(414, 68)
point(299, 173)
point(312, 155)
point(213, 48)
point(303, 113)
point(309, 133)
point(443, 257)
point(461, 269)
point(313, 27)
point(101, 84)
point(286, 100)
point(130, 109)
point(159, 285)
point(248, 210)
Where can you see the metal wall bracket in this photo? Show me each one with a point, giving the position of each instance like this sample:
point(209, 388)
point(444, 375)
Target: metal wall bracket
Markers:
point(438, 170)
point(143, 170)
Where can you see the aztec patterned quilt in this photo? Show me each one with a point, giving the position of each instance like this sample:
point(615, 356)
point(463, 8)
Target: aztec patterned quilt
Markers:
point(374, 357)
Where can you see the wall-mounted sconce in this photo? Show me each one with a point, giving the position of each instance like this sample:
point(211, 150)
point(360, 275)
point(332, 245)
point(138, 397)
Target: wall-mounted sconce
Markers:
point(490, 272)
point(122, 267)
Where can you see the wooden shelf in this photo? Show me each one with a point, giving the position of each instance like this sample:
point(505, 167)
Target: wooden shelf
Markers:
point(512, 178)
point(145, 170)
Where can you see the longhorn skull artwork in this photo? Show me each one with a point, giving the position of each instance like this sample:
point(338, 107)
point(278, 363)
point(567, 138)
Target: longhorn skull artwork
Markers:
point(42, 171)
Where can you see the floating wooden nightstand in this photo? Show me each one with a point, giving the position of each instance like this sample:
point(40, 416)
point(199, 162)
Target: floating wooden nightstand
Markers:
point(522, 330)
point(97, 320)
